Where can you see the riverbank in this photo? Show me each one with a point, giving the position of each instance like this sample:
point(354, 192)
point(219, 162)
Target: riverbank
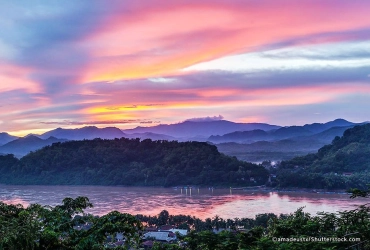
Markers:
point(262, 188)
point(299, 190)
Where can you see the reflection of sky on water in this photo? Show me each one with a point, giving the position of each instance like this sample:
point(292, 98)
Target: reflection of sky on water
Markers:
point(202, 203)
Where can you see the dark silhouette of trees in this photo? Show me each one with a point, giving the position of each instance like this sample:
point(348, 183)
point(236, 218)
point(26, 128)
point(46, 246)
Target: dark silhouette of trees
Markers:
point(129, 162)
point(339, 165)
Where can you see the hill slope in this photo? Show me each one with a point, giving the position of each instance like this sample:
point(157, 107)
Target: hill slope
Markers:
point(343, 163)
point(320, 127)
point(315, 131)
point(5, 138)
point(276, 150)
point(24, 145)
point(131, 162)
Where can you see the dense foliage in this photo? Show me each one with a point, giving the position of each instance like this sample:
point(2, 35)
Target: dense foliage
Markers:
point(42, 227)
point(342, 164)
point(130, 162)
point(298, 230)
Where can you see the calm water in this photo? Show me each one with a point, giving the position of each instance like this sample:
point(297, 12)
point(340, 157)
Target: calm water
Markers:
point(203, 203)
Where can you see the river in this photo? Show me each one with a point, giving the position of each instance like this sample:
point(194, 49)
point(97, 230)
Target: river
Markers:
point(202, 203)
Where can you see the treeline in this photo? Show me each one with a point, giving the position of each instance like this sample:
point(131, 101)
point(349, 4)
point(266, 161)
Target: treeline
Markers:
point(130, 162)
point(66, 226)
point(298, 230)
point(342, 164)
point(192, 223)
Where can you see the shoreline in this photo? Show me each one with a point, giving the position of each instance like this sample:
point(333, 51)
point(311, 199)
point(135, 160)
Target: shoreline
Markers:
point(250, 188)
point(303, 190)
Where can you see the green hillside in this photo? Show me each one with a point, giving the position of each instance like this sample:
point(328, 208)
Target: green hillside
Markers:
point(130, 162)
point(343, 163)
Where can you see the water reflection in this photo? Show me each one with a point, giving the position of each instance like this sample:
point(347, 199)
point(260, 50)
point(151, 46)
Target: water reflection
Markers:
point(202, 202)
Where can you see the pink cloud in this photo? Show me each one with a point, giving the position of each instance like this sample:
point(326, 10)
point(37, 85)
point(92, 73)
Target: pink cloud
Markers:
point(14, 77)
point(162, 39)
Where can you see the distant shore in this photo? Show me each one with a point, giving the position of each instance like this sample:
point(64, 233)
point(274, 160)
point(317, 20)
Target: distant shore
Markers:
point(250, 188)
point(272, 189)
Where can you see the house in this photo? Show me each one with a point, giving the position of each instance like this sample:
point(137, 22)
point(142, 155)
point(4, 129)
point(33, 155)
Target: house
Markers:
point(170, 228)
point(180, 231)
point(114, 241)
point(160, 236)
point(241, 229)
point(151, 229)
point(347, 174)
point(119, 236)
point(165, 227)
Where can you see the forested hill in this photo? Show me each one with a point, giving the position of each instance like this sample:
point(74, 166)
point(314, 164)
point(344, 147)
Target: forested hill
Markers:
point(343, 163)
point(130, 162)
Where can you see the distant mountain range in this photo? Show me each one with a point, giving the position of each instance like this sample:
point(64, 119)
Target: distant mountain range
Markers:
point(342, 164)
point(205, 129)
point(5, 138)
point(23, 146)
point(88, 133)
point(231, 138)
point(336, 127)
point(281, 144)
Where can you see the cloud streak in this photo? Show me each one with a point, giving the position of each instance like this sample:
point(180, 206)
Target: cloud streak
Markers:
point(67, 122)
point(206, 119)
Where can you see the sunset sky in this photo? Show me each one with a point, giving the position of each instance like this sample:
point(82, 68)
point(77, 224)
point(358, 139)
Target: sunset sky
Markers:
point(141, 63)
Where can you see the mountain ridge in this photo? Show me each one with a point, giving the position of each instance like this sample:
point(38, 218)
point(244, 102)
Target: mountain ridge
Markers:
point(203, 128)
point(300, 135)
point(5, 138)
point(24, 145)
point(341, 164)
point(286, 132)
point(88, 132)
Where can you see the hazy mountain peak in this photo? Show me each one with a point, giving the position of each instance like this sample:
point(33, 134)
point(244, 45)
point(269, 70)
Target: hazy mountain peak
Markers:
point(88, 132)
point(31, 135)
point(320, 127)
point(5, 138)
point(188, 129)
point(24, 145)
point(88, 127)
point(52, 138)
point(340, 122)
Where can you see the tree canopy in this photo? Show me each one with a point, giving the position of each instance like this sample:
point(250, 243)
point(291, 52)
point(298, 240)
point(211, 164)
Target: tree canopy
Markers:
point(340, 165)
point(130, 162)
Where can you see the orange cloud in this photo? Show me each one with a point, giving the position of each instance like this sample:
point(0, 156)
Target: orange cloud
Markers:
point(211, 99)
